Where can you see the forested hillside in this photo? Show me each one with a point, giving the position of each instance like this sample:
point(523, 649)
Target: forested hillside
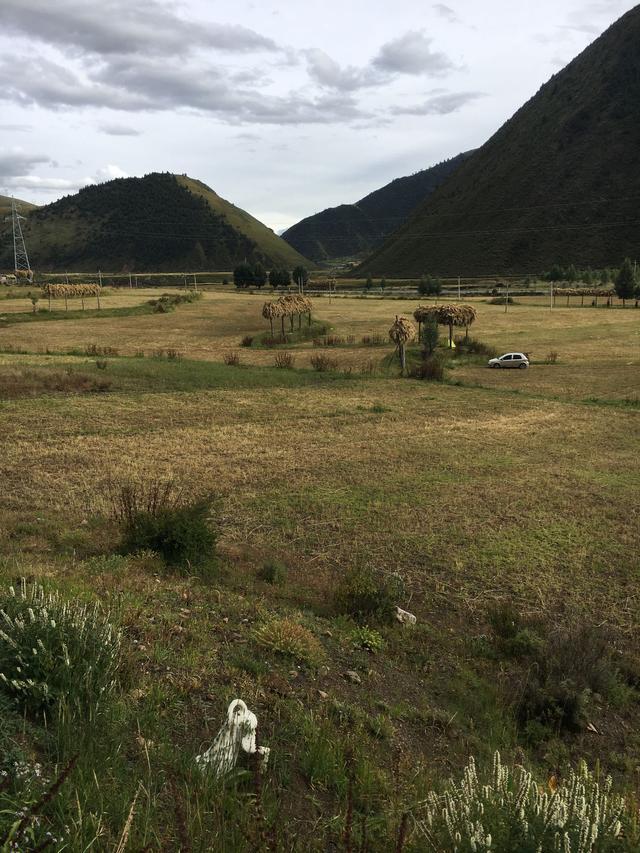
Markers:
point(559, 182)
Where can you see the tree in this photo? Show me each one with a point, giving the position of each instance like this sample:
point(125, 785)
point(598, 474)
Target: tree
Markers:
point(625, 283)
point(572, 273)
point(430, 334)
point(383, 283)
point(279, 278)
point(300, 275)
point(369, 283)
point(259, 275)
point(243, 275)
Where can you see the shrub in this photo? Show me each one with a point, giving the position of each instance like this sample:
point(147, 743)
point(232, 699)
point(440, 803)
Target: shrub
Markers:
point(366, 593)
point(430, 368)
point(101, 364)
point(287, 637)
point(55, 651)
point(322, 363)
point(247, 341)
point(273, 572)
point(231, 359)
point(95, 349)
point(502, 300)
point(173, 354)
point(476, 347)
point(284, 360)
point(507, 810)
point(552, 357)
point(184, 536)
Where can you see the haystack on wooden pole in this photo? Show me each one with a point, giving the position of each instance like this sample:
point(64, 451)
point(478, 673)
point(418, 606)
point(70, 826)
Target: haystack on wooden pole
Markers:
point(420, 315)
point(451, 315)
point(268, 312)
point(401, 333)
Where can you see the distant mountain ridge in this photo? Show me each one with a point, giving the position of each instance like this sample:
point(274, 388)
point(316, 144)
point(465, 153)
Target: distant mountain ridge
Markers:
point(160, 222)
point(558, 183)
point(352, 229)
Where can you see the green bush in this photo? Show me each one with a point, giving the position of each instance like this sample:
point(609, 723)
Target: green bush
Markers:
point(184, 536)
point(368, 639)
point(366, 593)
point(55, 651)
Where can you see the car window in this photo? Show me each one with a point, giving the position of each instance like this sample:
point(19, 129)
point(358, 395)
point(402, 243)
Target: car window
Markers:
point(506, 358)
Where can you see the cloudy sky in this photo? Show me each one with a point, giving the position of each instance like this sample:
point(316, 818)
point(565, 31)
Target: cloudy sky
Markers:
point(284, 108)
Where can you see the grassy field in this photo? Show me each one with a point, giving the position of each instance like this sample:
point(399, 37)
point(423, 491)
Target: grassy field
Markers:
point(494, 492)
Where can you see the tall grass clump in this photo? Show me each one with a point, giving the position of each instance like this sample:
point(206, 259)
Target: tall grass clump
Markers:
point(158, 516)
point(366, 593)
point(55, 651)
point(506, 810)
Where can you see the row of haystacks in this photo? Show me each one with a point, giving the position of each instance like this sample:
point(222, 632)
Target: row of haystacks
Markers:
point(292, 305)
point(583, 291)
point(71, 291)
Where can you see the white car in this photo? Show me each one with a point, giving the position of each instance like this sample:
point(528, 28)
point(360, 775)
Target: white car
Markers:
point(510, 359)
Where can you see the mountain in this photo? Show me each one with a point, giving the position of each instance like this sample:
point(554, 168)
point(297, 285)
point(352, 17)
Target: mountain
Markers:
point(559, 182)
point(158, 222)
point(352, 229)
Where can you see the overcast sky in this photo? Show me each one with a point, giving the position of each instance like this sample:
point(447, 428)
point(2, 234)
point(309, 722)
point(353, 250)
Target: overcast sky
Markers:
point(283, 108)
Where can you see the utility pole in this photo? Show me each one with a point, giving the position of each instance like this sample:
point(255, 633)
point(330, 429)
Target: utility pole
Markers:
point(551, 294)
point(459, 297)
point(506, 301)
point(130, 282)
point(100, 277)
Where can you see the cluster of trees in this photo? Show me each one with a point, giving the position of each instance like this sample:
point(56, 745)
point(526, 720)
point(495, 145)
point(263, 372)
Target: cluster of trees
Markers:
point(255, 275)
point(572, 274)
point(625, 280)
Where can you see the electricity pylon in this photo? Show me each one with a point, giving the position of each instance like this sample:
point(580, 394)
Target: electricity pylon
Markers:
point(20, 256)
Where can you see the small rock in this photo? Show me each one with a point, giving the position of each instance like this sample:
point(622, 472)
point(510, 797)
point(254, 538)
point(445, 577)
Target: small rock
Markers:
point(353, 676)
point(404, 617)
point(322, 694)
point(327, 633)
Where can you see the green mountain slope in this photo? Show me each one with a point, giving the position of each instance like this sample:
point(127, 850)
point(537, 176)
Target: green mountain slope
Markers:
point(5, 206)
point(158, 222)
point(559, 182)
point(351, 229)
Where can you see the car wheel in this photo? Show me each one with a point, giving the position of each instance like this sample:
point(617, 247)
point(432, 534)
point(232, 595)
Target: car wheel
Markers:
point(523, 365)
point(494, 366)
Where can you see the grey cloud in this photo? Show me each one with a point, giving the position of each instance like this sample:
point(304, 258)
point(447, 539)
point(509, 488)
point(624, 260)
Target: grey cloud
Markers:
point(440, 104)
point(123, 26)
point(446, 12)
point(328, 73)
point(119, 130)
point(15, 163)
point(412, 54)
point(148, 84)
point(15, 128)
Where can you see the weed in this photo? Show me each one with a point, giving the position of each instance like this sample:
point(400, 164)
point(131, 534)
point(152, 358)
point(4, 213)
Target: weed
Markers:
point(368, 639)
point(289, 638)
point(273, 572)
point(246, 341)
point(430, 368)
point(101, 364)
point(284, 360)
point(95, 349)
point(231, 359)
point(55, 651)
point(552, 357)
point(322, 363)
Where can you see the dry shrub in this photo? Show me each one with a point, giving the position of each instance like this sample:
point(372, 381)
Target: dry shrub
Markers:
point(231, 359)
point(321, 363)
point(173, 354)
point(95, 349)
point(129, 498)
point(28, 382)
point(247, 341)
point(287, 637)
point(284, 360)
point(552, 357)
point(368, 368)
point(367, 593)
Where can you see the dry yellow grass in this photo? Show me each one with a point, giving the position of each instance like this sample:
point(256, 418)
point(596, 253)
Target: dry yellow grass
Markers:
point(599, 349)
